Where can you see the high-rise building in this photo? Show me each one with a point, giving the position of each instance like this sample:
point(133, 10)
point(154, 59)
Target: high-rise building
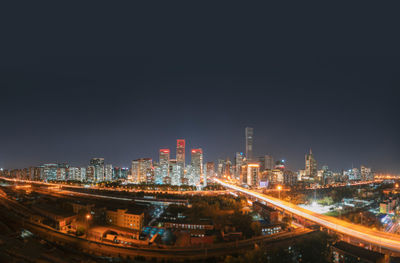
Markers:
point(108, 172)
point(164, 166)
point(175, 173)
point(90, 174)
point(268, 162)
point(74, 174)
point(142, 171)
point(180, 159)
point(366, 173)
point(48, 171)
point(210, 167)
point(82, 174)
point(196, 166)
point(98, 164)
point(310, 166)
point(251, 174)
point(180, 152)
point(221, 168)
point(239, 159)
point(249, 143)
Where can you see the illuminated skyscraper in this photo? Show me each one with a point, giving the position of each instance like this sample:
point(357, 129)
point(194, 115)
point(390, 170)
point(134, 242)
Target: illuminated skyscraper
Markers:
point(250, 174)
point(180, 152)
point(311, 166)
point(175, 172)
point(164, 166)
point(249, 143)
point(180, 158)
point(239, 158)
point(196, 166)
point(142, 171)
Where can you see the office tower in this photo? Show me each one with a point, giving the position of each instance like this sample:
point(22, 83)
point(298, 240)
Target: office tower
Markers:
point(108, 172)
point(98, 164)
point(210, 167)
point(164, 166)
point(180, 152)
point(228, 166)
point(249, 143)
point(180, 158)
point(120, 173)
point(196, 166)
point(310, 166)
point(239, 159)
point(142, 171)
point(251, 174)
point(268, 162)
point(158, 176)
point(175, 173)
point(220, 168)
point(124, 173)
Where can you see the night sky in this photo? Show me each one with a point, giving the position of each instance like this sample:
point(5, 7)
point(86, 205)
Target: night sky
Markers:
point(119, 81)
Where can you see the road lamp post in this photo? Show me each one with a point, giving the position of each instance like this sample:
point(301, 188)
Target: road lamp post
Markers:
point(88, 216)
point(279, 191)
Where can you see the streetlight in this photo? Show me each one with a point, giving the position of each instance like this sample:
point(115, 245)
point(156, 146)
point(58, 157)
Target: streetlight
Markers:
point(88, 217)
point(279, 190)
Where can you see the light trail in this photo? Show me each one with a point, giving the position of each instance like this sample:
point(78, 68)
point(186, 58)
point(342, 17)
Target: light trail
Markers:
point(377, 238)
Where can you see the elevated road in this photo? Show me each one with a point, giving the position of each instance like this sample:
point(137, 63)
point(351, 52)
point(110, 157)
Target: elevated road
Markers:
point(369, 236)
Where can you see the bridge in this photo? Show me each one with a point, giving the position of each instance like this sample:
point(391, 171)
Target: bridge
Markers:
point(361, 234)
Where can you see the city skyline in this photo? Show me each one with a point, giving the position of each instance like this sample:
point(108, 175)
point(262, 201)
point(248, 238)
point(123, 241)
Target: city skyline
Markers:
point(125, 95)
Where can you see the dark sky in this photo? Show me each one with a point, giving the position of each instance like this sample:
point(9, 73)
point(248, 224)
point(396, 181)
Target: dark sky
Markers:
point(118, 80)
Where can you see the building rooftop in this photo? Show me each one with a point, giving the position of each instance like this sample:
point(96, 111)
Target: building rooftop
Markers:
point(358, 251)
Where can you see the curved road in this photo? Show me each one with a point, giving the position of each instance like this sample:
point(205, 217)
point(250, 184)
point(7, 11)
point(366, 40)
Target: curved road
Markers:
point(378, 238)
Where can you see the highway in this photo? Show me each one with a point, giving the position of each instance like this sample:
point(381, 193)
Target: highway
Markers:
point(380, 239)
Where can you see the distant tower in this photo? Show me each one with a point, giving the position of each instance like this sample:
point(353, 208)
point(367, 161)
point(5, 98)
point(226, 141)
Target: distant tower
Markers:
point(310, 166)
point(197, 166)
point(249, 143)
point(180, 152)
point(164, 165)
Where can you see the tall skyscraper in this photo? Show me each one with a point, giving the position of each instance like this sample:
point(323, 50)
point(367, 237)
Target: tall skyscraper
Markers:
point(311, 166)
point(180, 152)
point(141, 171)
point(164, 166)
point(180, 159)
point(196, 166)
point(249, 143)
point(239, 158)
point(175, 172)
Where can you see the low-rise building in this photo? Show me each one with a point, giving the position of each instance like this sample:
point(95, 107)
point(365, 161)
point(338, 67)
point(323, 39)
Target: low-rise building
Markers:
point(129, 218)
point(344, 252)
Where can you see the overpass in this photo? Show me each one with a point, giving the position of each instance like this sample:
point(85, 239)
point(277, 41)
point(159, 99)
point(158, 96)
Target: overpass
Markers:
point(369, 236)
